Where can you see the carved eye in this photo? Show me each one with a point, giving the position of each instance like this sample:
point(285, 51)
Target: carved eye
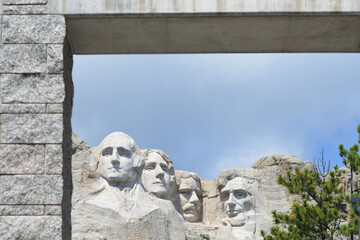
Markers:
point(164, 167)
point(107, 152)
point(225, 196)
point(124, 152)
point(239, 195)
point(149, 167)
point(185, 193)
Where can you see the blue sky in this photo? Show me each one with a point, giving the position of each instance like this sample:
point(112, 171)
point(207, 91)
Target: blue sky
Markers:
point(215, 111)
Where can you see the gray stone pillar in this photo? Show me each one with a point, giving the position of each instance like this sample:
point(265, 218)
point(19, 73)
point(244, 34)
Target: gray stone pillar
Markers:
point(36, 103)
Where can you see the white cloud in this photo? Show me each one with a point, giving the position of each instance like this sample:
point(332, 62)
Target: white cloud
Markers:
point(230, 109)
point(244, 155)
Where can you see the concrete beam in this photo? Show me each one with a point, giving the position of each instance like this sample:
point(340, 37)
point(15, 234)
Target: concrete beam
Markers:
point(200, 6)
point(214, 34)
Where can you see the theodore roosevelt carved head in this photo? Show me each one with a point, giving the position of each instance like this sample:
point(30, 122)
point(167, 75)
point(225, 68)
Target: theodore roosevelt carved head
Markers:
point(189, 187)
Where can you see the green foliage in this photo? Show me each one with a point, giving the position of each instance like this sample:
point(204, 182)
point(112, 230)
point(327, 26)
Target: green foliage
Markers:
point(351, 227)
point(318, 214)
point(204, 237)
point(351, 158)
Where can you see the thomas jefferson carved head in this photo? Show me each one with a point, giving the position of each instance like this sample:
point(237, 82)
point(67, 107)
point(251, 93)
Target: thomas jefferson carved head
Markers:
point(158, 175)
point(120, 159)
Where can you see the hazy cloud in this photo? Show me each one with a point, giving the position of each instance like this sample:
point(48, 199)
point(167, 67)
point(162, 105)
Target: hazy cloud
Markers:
point(215, 111)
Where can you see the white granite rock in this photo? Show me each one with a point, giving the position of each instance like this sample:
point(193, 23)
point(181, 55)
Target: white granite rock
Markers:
point(133, 202)
point(54, 108)
point(107, 184)
point(30, 189)
point(78, 144)
point(285, 162)
point(22, 108)
point(53, 158)
point(346, 178)
point(23, 58)
point(15, 2)
point(30, 227)
point(55, 59)
point(53, 210)
point(31, 128)
point(21, 210)
point(32, 88)
point(22, 159)
point(190, 193)
point(25, 9)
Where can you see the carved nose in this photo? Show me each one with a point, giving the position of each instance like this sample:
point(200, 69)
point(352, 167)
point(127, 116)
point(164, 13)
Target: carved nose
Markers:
point(194, 198)
point(115, 157)
point(115, 161)
point(232, 199)
point(159, 173)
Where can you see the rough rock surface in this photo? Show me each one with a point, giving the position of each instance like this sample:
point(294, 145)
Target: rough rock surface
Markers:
point(15, 2)
point(55, 58)
point(53, 159)
point(32, 128)
point(23, 58)
point(17, 158)
point(32, 88)
point(24, 9)
point(346, 177)
point(236, 205)
point(31, 189)
point(30, 227)
point(39, 29)
point(78, 144)
point(284, 162)
point(22, 108)
point(18, 210)
point(122, 203)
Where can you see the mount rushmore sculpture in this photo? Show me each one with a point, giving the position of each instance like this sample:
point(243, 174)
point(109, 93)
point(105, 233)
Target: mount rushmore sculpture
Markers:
point(123, 192)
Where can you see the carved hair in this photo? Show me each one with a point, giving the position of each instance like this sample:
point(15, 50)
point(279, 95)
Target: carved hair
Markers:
point(146, 152)
point(138, 160)
point(184, 175)
point(223, 180)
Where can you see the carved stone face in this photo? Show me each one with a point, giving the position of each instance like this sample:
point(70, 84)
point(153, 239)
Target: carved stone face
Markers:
point(235, 198)
point(190, 193)
point(116, 160)
point(155, 176)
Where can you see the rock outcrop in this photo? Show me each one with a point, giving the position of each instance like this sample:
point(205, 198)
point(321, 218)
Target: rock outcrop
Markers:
point(346, 177)
point(78, 144)
point(285, 163)
point(138, 195)
point(109, 200)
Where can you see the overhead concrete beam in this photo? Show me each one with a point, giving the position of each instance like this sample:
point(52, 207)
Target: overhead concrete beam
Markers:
point(214, 34)
point(199, 6)
point(210, 26)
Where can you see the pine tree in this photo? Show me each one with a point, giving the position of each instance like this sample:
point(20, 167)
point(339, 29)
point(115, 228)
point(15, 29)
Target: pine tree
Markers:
point(351, 158)
point(319, 213)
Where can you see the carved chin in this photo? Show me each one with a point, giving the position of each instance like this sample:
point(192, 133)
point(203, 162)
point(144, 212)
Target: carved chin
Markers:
point(115, 177)
point(233, 213)
point(159, 192)
point(120, 177)
point(191, 215)
point(238, 220)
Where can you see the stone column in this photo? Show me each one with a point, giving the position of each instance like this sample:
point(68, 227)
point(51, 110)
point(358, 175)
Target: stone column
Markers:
point(36, 103)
